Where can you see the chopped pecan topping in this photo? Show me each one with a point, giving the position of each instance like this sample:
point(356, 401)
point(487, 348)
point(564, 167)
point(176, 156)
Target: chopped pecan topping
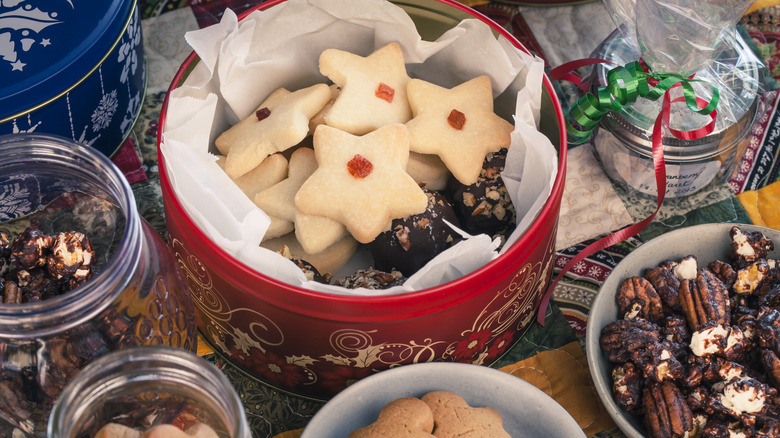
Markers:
point(638, 298)
point(704, 300)
point(666, 412)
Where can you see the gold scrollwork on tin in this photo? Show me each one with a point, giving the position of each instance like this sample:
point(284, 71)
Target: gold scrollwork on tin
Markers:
point(217, 314)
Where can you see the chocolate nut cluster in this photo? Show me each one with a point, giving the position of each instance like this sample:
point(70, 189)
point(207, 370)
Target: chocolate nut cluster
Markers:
point(36, 266)
point(696, 351)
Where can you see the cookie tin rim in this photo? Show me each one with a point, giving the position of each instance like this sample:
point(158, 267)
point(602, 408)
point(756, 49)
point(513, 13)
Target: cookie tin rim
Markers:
point(81, 65)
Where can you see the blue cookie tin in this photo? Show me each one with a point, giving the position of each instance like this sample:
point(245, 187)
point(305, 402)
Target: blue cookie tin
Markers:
point(73, 68)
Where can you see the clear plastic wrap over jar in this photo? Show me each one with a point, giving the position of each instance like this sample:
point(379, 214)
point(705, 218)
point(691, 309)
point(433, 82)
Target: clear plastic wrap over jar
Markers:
point(137, 295)
point(623, 142)
point(148, 386)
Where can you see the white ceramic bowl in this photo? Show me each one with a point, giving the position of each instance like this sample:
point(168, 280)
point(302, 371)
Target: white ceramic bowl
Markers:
point(525, 410)
point(707, 242)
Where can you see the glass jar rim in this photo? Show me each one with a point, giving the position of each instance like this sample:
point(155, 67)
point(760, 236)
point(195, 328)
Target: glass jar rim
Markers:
point(95, 380)
point(81, 304)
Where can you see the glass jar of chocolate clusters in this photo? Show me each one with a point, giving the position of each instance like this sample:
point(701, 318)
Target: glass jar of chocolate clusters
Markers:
point(81, 275)
point(156, 391)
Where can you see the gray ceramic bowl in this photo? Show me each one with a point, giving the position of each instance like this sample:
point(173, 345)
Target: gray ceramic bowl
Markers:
point(707, 242)
point(525, 410)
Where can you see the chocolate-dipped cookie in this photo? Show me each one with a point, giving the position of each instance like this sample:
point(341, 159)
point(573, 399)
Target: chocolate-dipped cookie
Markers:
point(485, 206)
point(413, 241)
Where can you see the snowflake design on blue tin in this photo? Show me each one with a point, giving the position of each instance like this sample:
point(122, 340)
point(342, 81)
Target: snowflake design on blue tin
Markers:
point(105, 110)
point(14, 201)
point(127, 51)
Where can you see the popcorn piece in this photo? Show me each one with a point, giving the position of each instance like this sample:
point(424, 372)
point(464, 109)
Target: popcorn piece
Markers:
point(315, 233)
point(373, 89)
point(279, 123)
point(360, 181)
point(748, 246)
point(462, 146)
point(718, 339)
point(750, 278)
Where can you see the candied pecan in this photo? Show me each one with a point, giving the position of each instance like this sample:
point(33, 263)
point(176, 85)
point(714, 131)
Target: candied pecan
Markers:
point(627, 384)
point(620, 338)
point(28, 248)
point(748, 246)
point(666, 412)
point(724, 271)
point(666, 285)
point(11, 293)
point(704, 300)
point(637, 297)
point(751, 277)
point(657, 362)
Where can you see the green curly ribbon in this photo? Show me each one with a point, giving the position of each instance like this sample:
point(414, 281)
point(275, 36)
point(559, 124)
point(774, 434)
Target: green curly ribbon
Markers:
point(625, 84)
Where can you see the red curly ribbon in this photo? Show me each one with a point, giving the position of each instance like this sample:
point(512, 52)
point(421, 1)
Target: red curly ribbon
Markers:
point(666, 84)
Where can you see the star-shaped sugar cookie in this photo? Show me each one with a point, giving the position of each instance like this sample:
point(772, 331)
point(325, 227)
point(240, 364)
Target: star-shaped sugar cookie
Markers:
point(373, 89)
point(457, 124)
point(315, 233)
point(361, 181)
point(279, 123)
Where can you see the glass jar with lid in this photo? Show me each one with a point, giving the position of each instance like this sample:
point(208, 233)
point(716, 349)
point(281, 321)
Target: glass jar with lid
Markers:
point(136, 294)
point(623, 140)
point(139, 389)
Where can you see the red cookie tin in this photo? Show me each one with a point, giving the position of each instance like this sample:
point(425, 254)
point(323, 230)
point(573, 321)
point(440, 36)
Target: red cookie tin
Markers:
point(314, 344)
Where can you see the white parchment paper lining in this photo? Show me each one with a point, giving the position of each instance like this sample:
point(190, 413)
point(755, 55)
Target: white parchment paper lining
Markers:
point(242, 62)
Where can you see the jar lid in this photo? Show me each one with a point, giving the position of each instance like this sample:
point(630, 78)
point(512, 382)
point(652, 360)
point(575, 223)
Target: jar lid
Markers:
point(47, 47)
point(737, 74)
